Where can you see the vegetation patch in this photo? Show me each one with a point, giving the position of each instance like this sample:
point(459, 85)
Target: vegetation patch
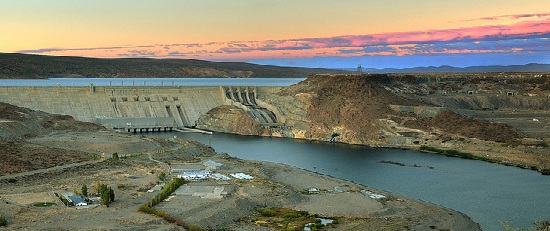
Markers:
point(288, 219)
point(545, 171)
point(3, 221)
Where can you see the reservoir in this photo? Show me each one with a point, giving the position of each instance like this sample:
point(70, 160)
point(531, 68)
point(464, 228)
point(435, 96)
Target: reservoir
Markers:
point(488, 193)
point(128, 82)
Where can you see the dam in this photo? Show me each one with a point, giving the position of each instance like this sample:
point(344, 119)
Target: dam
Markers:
point(142, 108)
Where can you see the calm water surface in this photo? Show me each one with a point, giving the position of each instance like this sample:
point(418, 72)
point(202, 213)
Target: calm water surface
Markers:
point(152, 82)
point(488, 193)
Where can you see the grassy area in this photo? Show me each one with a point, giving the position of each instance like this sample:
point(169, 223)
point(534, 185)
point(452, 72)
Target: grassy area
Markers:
point(44, 204)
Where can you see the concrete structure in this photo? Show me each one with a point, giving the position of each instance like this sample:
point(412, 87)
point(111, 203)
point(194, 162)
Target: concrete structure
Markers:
point(140, 108)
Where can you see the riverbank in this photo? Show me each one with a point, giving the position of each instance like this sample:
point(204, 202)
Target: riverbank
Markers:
point(272, 186)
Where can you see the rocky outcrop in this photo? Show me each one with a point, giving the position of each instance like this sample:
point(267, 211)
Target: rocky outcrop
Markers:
point(347, 106)
point(229, 119)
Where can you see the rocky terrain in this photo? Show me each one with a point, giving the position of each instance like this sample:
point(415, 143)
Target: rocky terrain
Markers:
point(18, 125)
point(22, 66)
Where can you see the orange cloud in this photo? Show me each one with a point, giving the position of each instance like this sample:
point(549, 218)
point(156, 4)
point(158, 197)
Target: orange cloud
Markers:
point(517, 37)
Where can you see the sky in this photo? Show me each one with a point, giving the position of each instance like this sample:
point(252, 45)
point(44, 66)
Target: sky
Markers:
point(307, 33)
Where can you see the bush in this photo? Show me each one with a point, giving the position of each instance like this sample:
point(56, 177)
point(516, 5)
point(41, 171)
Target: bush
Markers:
point(268, 212)
point(3, 221)
point(545, 171)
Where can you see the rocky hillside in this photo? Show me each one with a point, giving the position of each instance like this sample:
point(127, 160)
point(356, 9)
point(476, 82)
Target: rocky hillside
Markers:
point(356, 107)
point(21, 66)
point(18, 124)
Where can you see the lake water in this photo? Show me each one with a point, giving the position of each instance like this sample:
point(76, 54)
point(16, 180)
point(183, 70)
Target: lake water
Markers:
point(152, 82)
point(488, 193)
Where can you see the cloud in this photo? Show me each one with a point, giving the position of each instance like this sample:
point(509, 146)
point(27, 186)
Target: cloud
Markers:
point(50, 50)
point(522, 36)
point(511, 17)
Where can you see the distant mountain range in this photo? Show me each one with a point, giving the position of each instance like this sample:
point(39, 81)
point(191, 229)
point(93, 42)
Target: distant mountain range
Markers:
point(531, 67)
point(25, 66)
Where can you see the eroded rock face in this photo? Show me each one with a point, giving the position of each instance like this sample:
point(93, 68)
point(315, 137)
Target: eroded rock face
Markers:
point(230, 119)
point(356, 108)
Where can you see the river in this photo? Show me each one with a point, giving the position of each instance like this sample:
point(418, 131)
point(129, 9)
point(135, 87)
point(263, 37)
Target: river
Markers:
point(489, 193)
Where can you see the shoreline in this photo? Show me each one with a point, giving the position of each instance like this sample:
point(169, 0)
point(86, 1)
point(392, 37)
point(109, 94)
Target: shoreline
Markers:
point(470, 156)
point(275, 185)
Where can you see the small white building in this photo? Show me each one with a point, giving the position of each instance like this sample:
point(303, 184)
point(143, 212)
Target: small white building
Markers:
point(242, 176)
point(199, 174)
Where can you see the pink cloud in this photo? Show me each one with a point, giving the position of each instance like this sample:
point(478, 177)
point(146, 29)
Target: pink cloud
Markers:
point(451, 41)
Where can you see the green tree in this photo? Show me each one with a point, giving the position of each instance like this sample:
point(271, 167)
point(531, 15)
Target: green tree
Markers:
point(115, 156)
point(97, 187)
point(111, 195)
point(84, 190)
point(104, 194)
point(75, 190)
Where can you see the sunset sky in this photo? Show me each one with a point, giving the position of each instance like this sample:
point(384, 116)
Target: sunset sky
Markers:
point(311, 33)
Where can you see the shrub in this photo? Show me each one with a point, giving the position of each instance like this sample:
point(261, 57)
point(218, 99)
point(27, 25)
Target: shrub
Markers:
point(545, 171)
point(268, 212)
point(3, 221)
point(303, 213)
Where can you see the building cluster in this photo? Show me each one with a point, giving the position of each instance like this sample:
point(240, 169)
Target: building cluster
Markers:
point(195, 174)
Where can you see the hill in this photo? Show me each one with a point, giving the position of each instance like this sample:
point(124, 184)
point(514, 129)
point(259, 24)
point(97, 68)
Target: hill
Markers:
point(24, 66)
point(531, 67)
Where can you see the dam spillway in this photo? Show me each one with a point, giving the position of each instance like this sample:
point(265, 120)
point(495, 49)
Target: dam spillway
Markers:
point(139, 107)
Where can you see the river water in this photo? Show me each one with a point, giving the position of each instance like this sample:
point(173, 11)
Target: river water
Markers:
point(488, 193)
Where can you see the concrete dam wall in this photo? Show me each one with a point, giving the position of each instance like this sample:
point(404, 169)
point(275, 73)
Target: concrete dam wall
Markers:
point(130, 106)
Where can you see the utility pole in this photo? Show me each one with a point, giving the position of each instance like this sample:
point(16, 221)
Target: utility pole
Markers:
point(359, 69)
